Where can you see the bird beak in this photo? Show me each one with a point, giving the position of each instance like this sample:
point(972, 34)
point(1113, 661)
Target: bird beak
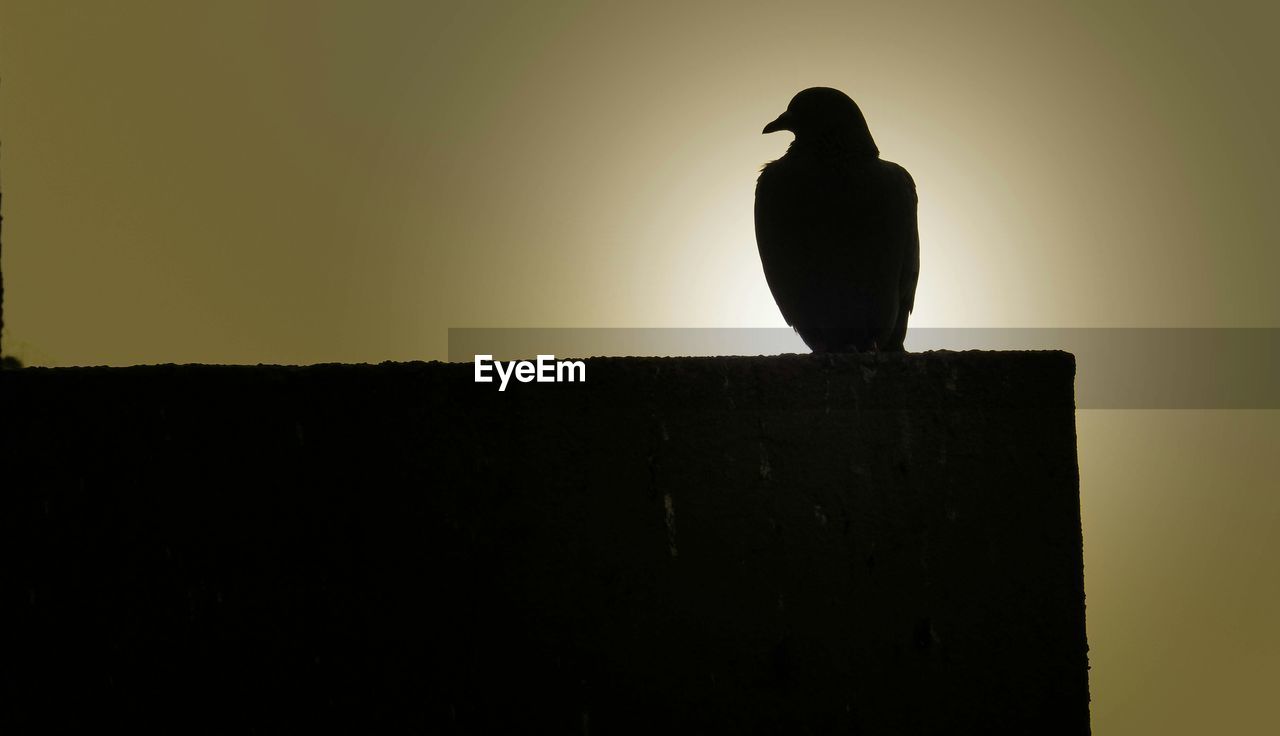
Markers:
point(783, 122)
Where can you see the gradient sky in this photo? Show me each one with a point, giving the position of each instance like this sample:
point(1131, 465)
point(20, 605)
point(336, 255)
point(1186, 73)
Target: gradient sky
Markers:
point(305, 181)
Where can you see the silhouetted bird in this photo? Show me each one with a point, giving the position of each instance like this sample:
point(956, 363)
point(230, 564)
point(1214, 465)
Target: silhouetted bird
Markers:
point(836, 228)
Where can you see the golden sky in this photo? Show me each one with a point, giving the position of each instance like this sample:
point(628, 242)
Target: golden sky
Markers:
point(307, 181)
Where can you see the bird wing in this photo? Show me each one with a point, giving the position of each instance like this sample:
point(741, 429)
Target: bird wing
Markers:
point(906, 202)
point(840, 247)
point(778, 218)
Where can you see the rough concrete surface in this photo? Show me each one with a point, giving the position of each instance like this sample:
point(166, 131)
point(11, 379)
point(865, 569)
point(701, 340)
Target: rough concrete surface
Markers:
point(865, 544)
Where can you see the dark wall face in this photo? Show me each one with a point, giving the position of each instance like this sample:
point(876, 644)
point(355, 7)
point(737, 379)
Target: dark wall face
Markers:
point(887, 544)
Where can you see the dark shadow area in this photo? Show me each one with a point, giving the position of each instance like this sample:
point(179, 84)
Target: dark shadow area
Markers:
point(875, 544)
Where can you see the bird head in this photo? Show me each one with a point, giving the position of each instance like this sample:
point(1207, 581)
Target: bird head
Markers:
point(821, 115)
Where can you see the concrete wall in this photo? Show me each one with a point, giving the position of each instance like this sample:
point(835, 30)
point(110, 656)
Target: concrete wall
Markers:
point(798, 544)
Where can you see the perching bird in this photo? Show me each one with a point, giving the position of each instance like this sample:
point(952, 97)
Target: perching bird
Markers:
point(836, 228)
